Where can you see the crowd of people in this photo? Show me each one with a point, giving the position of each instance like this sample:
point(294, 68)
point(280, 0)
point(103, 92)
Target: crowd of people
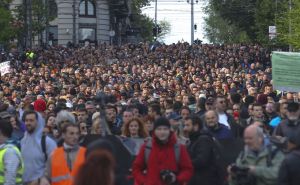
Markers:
point(170, 107)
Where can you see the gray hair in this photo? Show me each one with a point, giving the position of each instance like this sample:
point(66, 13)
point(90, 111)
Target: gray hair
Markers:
point(65, 116)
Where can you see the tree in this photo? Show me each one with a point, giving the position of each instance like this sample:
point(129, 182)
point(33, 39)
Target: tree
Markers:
point(7, 23)
point(292, 19)
point(165, 28)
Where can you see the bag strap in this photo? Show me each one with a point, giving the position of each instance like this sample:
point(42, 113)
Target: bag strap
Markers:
point(43, 144)
point(177, 152)
point(271, 154)
point(148, 148)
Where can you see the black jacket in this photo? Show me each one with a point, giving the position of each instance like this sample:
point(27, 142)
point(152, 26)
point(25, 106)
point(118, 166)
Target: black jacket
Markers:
point(289, 173)
point(201, 153)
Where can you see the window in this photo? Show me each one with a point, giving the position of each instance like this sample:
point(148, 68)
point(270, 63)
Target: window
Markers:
point(87, 34)
point(87, 8)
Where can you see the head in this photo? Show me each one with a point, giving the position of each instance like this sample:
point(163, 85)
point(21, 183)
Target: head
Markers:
point(127, 115)
point(154, 110)
point(254, 137)
point(82, 114)
point(6, 130)
point(257, 112)
point(134, 128)
point(192, 124)
point(70, 134)
point(64, 117)
point(283, 109)
point(211, 119)
point(162, 129)
point(30, 118)
point(111, 113)
point(293, 112)
point(209, 104)
point(185, 112)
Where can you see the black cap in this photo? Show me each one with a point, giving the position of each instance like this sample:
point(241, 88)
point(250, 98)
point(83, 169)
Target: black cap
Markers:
point(162, 121)
point(293, 107)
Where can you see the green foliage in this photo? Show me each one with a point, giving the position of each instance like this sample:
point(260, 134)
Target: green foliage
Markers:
point(165, 29)
point(7, 31)
point(293, 18)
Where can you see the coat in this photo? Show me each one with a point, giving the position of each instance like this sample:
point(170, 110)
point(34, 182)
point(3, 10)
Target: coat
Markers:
point(162, 157)
point(201, 152)
point(289, 173)
point(264, 174)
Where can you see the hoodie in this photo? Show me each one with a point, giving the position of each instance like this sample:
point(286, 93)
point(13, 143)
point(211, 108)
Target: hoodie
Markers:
point(32, 153)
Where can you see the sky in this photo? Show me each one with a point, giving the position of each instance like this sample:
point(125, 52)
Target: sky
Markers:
point(178, 14)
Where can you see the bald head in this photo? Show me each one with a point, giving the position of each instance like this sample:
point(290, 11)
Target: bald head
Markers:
point(254, 137)
point(211, 118)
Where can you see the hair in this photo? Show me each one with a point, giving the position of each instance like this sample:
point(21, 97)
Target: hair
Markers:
point(50, 115)
point(155, 108)
point(67, 125)
point(142, 131)
point(256, 105)
point(111, 107)
point(27, 112)
point(65, 115)
point(196, 120)
point(6, 128)
point(185, 108)
point(97, 169)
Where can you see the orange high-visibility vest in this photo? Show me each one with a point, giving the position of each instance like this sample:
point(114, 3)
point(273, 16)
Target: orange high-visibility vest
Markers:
point(61, 174)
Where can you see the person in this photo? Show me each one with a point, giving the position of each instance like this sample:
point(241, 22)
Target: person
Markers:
point(98, 169)
point(218, 130)
point(154, 111)
point(113, 122)
point(203, 154)
point(161, 161)
point(65, 161)
point(289, 171)
point(34, 155)
point(257, 163)
point(11, 162)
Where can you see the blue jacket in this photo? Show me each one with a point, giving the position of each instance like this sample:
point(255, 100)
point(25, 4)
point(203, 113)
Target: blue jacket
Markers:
point(221, 132)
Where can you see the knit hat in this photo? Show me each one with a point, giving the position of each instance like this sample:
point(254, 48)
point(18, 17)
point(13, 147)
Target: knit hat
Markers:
point(40, 105)
point(162, 121)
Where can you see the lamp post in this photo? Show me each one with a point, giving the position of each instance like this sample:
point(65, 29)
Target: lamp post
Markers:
point(192, 20)
point(155, 19)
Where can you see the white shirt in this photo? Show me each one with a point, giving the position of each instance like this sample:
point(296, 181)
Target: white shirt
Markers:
point(223, 120)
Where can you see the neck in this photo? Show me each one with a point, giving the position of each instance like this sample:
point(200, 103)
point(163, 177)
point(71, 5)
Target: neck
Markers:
point(134, 135)
point(70, 146)
point(220, 111)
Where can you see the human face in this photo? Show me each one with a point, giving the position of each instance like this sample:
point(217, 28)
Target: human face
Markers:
point(162, 133)
point(133, 128)
point(30, 123)
point(51, 121)
point(187, 127)
point(51, 107)
point(149, 126)
point(82, 116)
point(254, 143)
point(283, 109)
point(293, 116)
point(127, 116)
point(83, 128)
point(257, 112)
point(13, 122)
point(211, 119)
point(71, 136)
point(221, 104)
point(168, 112)
point(184, 113)
point(111, 115)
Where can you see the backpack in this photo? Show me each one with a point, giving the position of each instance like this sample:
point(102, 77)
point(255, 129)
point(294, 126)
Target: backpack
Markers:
point(43, 145)
point(148, 148)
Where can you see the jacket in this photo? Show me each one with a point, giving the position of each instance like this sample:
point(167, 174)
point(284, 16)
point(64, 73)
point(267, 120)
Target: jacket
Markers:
point(162, 157)
point(201, 152)
point(60, 172)
point(289, 173)
point(264, 174)
point(32, 153)
point(285, 128)
point(221, 132)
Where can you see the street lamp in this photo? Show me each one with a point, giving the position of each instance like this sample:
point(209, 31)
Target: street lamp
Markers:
point(192, 19)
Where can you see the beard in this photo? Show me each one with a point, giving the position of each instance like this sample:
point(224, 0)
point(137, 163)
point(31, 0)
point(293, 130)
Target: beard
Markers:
point(30, 129)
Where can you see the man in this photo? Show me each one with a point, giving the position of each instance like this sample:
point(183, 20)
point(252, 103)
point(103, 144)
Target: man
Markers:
point(65, 161)
point(32, 150)
point(257, 114)
point(82, 114)
point(291, 124)
point(224, 118)
point(113, 122)
point(289, 170)
point(282, 115)
point(11, 164)
point(154, 111)
point(202, 152)
point(259, 162)
point(218, 130)
point(127, 116)
point(164, 160)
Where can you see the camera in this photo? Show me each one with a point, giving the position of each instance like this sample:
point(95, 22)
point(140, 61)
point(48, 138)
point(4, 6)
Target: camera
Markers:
point(166, 176)
point(242, 176)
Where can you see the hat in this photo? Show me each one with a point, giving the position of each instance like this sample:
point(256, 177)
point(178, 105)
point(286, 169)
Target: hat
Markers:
point(174, 116)
point(40, 105)
point(293, 107)
point(4, 115)
point(210, 100)
point(162, 121)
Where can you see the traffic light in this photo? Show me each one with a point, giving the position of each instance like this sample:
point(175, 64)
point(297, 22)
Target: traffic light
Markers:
point(195, 27)
point(156, 30)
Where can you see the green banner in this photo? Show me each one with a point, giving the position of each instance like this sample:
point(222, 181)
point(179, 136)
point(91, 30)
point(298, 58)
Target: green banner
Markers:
point(286, 71)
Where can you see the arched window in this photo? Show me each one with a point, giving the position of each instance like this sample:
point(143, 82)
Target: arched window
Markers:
point(87, 8)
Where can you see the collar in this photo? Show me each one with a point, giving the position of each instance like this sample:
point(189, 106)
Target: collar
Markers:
point(69, 148)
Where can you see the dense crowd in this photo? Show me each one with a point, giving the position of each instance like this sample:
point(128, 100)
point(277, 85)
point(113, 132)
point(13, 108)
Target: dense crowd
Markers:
point(188, 99)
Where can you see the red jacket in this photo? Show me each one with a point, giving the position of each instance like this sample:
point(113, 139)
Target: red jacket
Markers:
point(162, 157)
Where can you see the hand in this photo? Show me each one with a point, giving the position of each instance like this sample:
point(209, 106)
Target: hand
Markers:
point(44, 181)
point(173, 178)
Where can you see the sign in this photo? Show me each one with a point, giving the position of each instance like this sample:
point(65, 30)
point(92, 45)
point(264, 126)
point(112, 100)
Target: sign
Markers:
point(5, 67)
point(272, 32)
point(286, 71)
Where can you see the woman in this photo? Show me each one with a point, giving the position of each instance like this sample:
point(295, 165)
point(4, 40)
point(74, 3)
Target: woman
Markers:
point(134, 134)
point(98, 169)
point(18, 133)
point(98, 127)
point(50, 125)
